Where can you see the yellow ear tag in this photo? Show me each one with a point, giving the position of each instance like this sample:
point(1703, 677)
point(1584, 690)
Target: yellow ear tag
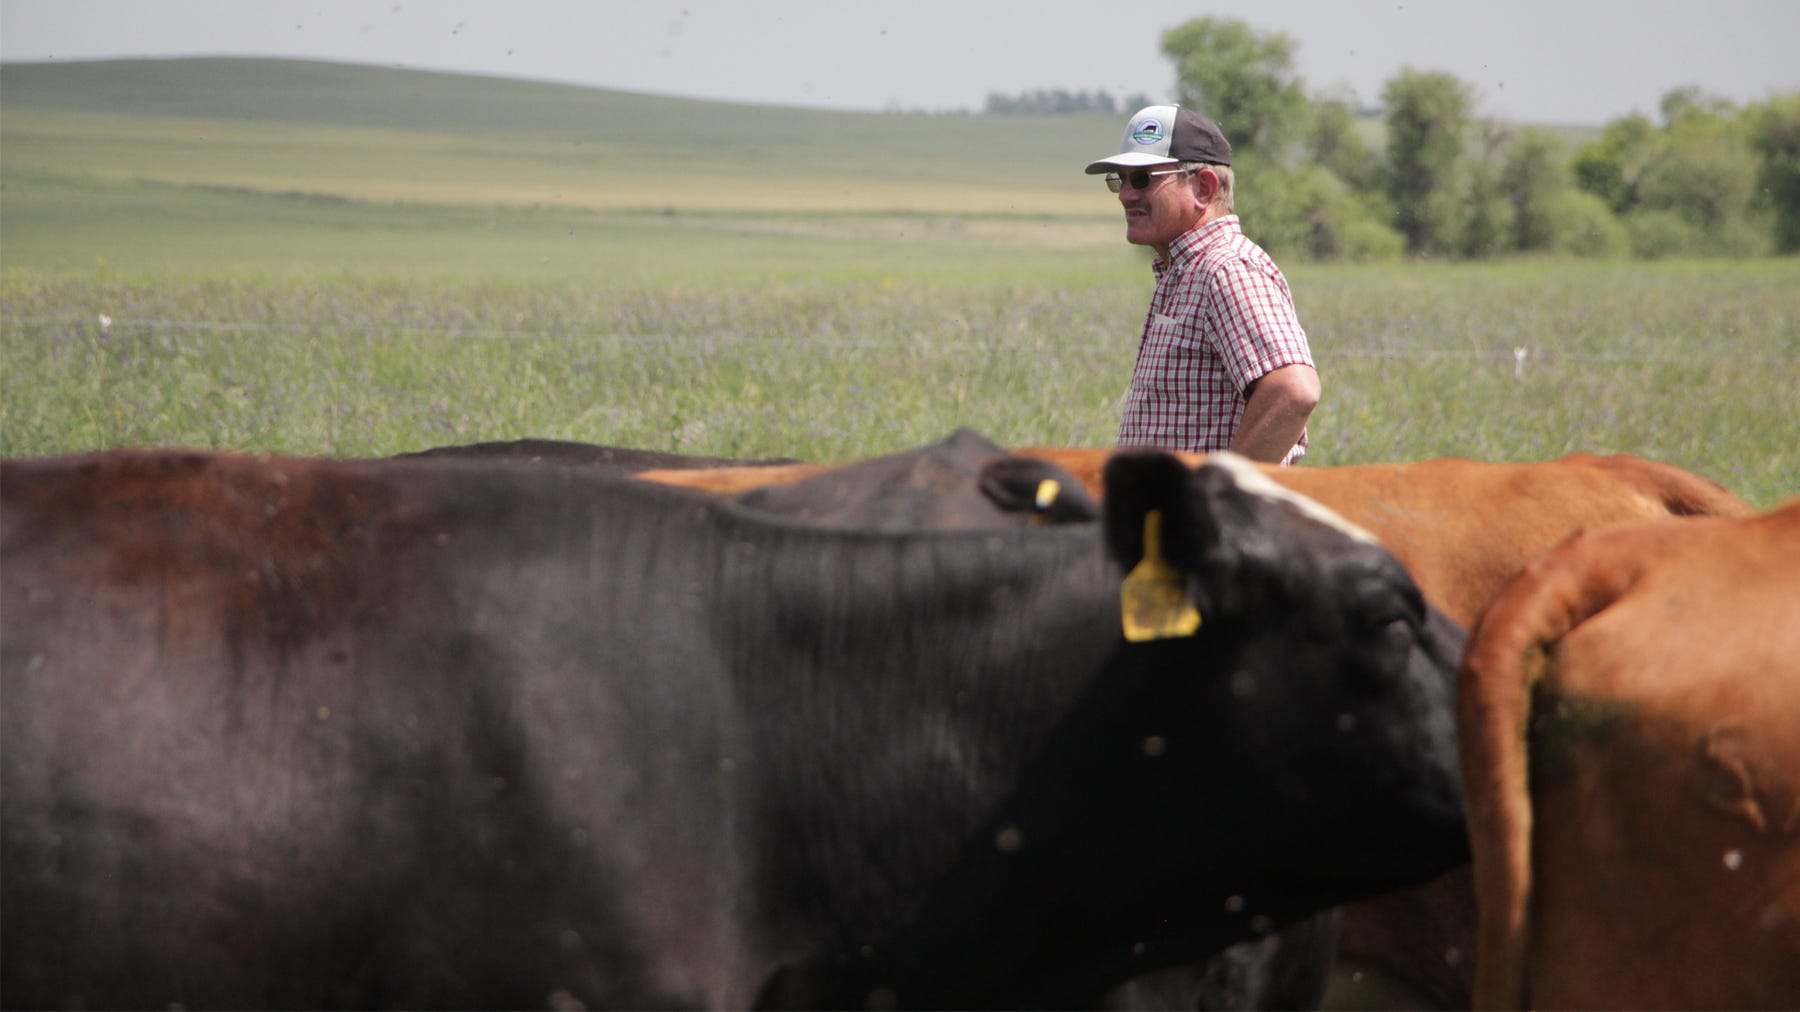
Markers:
point(1153, 599)
point(1047, 491)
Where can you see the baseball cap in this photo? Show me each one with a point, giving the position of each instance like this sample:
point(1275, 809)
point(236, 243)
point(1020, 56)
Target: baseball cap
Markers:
point(1165, 135)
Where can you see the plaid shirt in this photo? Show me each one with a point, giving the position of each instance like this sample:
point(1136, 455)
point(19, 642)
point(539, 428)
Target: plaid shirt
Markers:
point(1220, 318)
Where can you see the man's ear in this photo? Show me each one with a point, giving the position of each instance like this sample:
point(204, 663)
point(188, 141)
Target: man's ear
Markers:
point(1206, 186)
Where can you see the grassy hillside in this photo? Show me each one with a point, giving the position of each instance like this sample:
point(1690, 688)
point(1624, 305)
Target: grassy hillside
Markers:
point(269, 165)
point(373, 133)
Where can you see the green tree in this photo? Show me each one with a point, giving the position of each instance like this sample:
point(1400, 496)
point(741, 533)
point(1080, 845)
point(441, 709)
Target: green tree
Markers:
point(1546, 211)
point(1586, 227)
point(1775, 136)
point(1608, 168)
point(1532, 181)
point(1689, 100)
point(1336, 143)
point(1309, 211)
point(1428, 115)
point(1702, 171)
point(1243, 79)
point(1482, 228)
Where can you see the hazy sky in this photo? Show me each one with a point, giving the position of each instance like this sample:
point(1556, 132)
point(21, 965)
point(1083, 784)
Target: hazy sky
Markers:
point(1548, 61)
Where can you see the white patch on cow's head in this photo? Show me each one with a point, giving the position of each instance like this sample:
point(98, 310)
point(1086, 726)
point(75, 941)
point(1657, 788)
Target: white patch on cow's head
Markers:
point(1255, 482)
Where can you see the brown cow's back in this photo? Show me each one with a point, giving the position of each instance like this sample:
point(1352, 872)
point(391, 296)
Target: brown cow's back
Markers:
point(732, 480)
point(1654, 861)
point(1464, 527)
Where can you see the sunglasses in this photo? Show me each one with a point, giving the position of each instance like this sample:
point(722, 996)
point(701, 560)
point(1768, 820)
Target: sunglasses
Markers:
point(1139, 178)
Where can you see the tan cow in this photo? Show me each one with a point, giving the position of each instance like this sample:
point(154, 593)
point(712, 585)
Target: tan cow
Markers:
point(1463, 528)
point(1630, 723)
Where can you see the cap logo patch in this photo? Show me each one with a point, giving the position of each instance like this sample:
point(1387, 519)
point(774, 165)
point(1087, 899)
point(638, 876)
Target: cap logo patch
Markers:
point(1148, 132)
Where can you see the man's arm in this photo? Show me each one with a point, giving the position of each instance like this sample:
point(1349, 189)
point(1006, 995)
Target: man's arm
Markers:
point(1275, 413)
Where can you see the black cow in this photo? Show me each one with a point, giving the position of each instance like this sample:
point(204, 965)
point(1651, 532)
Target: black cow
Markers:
point(566, 452)
point(967, 480)
point(282, 732)
point(964, 480)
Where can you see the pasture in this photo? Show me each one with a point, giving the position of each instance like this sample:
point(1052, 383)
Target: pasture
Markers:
point(1689, 363)
point(270, 272)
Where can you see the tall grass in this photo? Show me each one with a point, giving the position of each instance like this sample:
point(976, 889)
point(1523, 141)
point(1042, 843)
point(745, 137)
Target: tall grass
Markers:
point(1693, 363)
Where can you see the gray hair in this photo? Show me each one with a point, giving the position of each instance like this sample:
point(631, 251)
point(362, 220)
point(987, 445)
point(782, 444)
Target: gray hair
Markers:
point(1223, 198)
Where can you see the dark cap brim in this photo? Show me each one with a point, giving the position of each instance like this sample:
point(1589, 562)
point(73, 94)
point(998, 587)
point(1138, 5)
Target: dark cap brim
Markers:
point(1129, 160)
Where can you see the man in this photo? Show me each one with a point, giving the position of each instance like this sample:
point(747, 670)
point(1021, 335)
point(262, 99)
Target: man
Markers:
point(1223, 363)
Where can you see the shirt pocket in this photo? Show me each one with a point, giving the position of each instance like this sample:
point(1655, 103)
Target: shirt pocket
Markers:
point(1170, 356)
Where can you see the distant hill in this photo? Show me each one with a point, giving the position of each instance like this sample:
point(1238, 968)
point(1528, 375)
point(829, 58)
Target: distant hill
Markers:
point(203, 162)
point(116, 155)
point(678, 131)
point(317, 93)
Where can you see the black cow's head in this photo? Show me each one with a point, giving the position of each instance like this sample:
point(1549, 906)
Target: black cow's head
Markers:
point(1319, 722)
point(1294, 751)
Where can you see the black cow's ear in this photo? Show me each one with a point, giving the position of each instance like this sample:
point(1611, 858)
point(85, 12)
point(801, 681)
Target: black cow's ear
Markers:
point(1211, 526)
point(1159, 538)
point(1139, 481)
point(1045, 492)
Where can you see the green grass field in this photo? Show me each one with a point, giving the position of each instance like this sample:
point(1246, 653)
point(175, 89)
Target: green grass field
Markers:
point(315, 259)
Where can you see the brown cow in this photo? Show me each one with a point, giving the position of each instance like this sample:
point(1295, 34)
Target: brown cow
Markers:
point(1463, 528)
point(1630, 724)
point(732, 480)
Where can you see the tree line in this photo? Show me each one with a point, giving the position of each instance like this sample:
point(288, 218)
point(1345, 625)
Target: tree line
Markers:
point(1707, 178)
point(1061, 102)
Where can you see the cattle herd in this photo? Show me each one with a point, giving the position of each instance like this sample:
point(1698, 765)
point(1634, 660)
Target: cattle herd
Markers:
point(537, 724)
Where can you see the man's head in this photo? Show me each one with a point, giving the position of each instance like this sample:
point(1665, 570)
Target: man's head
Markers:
point(1172, 173)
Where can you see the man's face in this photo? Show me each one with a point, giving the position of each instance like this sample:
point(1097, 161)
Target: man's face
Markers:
point(1158, 213)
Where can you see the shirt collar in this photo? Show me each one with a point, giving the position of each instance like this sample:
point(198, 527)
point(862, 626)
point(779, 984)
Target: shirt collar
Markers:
point(1194, 241)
